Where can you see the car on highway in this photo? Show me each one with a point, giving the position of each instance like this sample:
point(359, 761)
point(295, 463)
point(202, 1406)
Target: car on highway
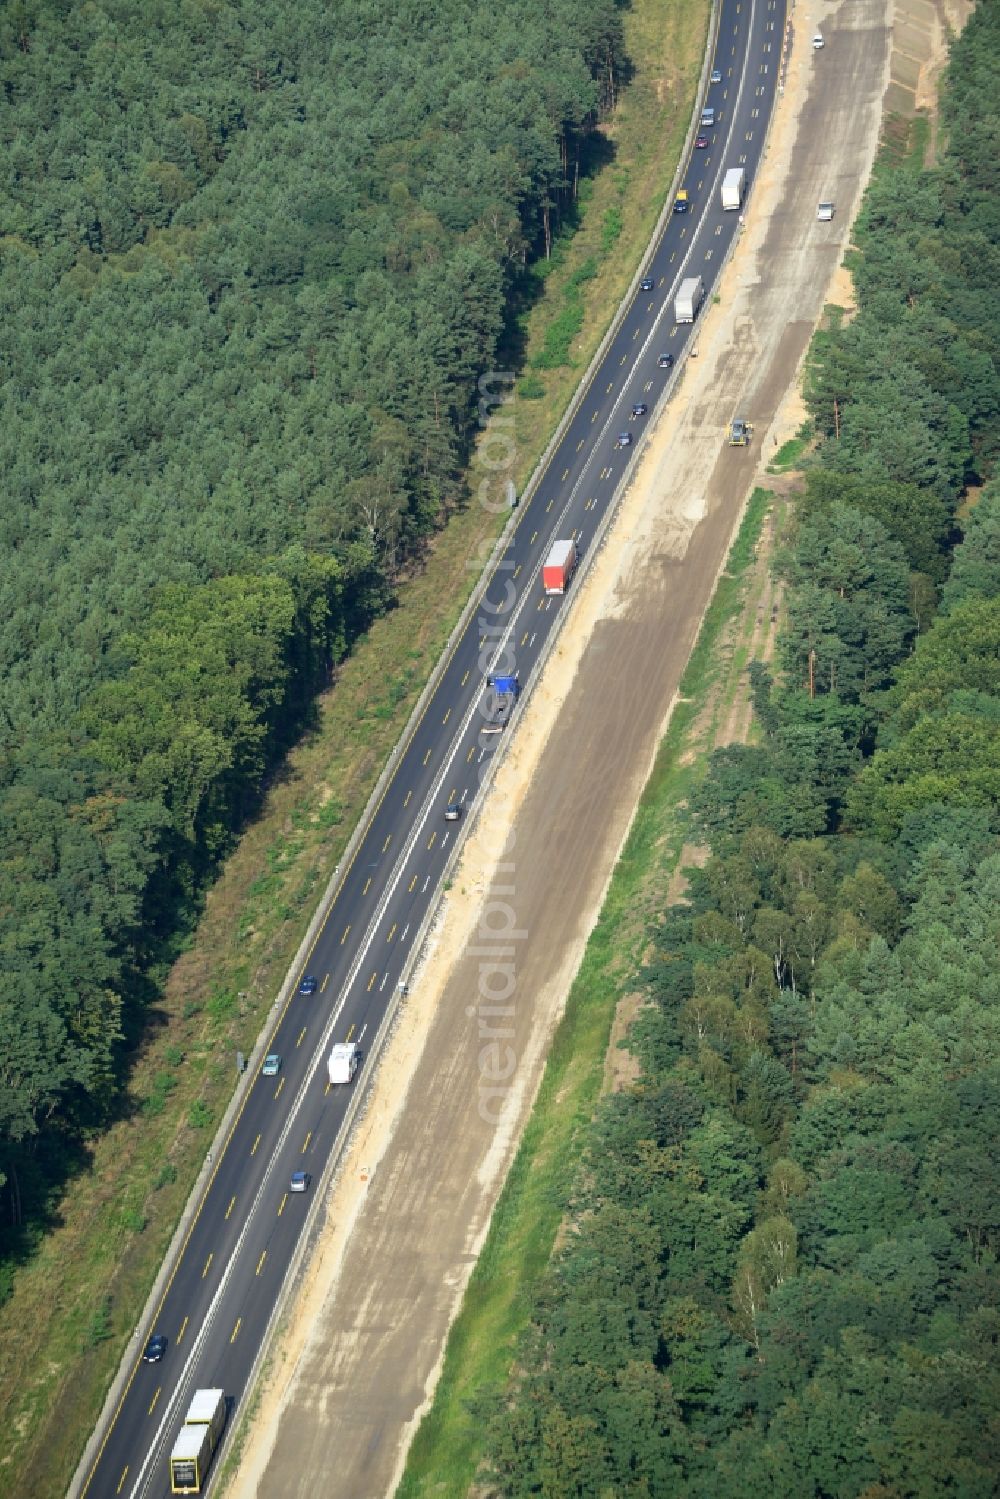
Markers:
point(665, 362)
point(639, 409)
point(700, 142)
point(818, 41)
point(154, 1349)
point(624, 440)
point(681, 204)
point(647, 283)
point(299, 1182)
point(309, 985)
point(272, 1065)
point(715, 76)
point(453, 811)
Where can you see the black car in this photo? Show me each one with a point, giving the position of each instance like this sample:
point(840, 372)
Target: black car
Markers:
point(624, 440)
point(309, 985)
point(647, 283)
point(155, 1349)
point(665, 362)
point(640, 408)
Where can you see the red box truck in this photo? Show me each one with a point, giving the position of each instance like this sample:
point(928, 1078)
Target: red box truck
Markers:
point(559, 566)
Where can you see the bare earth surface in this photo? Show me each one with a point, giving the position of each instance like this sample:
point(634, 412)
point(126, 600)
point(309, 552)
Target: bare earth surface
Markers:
point(358, 1358)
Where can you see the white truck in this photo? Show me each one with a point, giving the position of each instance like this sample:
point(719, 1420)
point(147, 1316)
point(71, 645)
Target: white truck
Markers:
point(196, 1441)
point(342, 1062)
point(733, 188)
point(690, 295)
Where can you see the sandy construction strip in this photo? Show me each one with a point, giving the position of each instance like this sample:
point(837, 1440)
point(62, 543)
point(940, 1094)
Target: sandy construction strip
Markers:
point(356, 1364)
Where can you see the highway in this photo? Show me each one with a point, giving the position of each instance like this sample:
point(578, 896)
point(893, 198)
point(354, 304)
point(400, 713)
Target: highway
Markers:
point(222, 1289)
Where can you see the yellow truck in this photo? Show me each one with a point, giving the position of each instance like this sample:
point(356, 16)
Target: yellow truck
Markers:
point(196, 1441)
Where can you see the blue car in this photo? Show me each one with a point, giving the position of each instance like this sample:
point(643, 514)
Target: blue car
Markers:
point(309, 985)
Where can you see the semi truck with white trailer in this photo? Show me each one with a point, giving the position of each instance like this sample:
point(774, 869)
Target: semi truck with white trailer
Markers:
point(342, 1063)
point(197, 1441)
point(733, 187)
point(690, 295)
point(559, 566)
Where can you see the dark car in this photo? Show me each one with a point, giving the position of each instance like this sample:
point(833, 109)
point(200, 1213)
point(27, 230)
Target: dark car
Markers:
point(640, 408)
point(155, 1349)
point(700, 142)
point(309, 985)
point(299, 1182)
point(453, 812)
point(624, 440)
point(647, 283)
point(715, 76)
point(665, 362)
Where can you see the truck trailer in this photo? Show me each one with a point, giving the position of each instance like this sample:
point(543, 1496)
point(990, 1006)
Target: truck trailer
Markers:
point(733, 187)
point(688, 299)
point(342, 1063)
point(504, 692)
point(197, 1441)
point(559, 566)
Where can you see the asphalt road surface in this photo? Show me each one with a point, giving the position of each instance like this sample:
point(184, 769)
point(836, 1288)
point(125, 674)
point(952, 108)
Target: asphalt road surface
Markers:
point(220, 1295)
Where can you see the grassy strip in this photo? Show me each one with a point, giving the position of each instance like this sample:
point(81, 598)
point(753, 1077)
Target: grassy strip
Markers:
point(448, 1448)
point(790, 453)
point(76, 1299)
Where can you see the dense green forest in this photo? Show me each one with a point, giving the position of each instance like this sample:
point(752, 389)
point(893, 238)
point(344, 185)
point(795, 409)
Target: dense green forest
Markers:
point(780, 1266)
point(254, 258)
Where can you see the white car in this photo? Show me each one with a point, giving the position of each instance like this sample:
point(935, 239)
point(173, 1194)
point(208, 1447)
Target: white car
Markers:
point(824, 212)
point(818, 41)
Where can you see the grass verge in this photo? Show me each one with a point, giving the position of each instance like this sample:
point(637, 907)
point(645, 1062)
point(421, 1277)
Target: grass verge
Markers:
point(74, 1304)
point(448, 1448)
